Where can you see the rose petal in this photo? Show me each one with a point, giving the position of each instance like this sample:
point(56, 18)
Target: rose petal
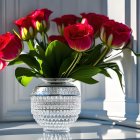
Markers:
point(80, 45)
point(120, 33)
point(79, 36)
point(66, 20)
point(95, 20)
point(57, 37)
point(40, 15)
point(24, 22)
point(12, 47)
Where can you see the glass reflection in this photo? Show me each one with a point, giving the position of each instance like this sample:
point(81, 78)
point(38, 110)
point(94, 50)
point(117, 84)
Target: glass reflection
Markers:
point(56, 136)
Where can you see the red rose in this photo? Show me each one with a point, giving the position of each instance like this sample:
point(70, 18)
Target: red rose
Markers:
point(10, 48)
point(40, 18)
point(26, 28)
point(57, 37)
point(79, 36)
point(95, 20)
point(64, 21)
point(115, 34)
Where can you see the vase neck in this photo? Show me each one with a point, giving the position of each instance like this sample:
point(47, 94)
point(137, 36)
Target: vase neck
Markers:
point(57, 80)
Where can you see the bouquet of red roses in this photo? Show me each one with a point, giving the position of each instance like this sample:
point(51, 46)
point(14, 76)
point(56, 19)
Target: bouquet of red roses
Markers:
point(78, 52)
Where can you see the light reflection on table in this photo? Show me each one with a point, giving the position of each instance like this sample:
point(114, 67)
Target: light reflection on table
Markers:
point(83, 129)
point(55, 136)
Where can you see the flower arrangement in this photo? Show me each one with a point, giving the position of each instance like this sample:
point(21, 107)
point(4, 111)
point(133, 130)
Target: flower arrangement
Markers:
point(78, 52)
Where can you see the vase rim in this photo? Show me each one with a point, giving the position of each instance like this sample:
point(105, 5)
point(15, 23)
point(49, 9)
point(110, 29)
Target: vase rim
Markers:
point(58, 80)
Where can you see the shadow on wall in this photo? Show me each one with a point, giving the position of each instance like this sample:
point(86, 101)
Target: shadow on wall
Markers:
point(131, 89)
point(104, 101)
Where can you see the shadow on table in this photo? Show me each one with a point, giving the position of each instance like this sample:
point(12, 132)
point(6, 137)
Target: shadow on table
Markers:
point(80, 129)
point(7, 125)
point(21, 131)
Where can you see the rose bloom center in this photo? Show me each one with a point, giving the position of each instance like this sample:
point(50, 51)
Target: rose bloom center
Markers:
point(78, 32)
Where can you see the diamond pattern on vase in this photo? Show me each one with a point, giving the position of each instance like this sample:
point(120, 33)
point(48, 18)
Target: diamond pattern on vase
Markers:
point(56, 107)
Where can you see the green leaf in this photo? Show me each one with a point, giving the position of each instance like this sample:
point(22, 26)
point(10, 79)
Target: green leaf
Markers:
point(30, 44)
point(85, 74)
point(118, 72)
point(105, 72)
point(106, 65)
point(33, 53)
point(55, 54)
point(115, 68)
point(66, 63)
point(29, 60)
point(23, 58)
point(15, 61)
point(24, 75)
point(40, 50)
point(90, 57)
point(41, 44)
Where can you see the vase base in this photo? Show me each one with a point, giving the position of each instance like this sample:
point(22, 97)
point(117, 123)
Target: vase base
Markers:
point(56, 135)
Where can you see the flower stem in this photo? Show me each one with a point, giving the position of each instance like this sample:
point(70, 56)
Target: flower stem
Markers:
point(43, 39)
point(47, 37)
point(30, 44)
point(105, 51)
point(77, 61)
point(73, 64)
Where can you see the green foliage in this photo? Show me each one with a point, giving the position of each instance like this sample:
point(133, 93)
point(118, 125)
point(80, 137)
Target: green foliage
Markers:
point(40, 51)
point(55, 54)
point(65, 64)
point(105, 73)
point(27, 59)
point(85, 74)
point(91, 56)
point(58, 60)
point(53, 60)
point(115, 68)
point(24, 75)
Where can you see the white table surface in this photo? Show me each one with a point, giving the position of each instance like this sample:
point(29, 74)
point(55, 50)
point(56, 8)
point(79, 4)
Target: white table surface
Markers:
point(83, 129)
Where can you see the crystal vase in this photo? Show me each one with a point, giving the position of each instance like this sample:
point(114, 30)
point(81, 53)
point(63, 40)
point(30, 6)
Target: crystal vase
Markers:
point(56, 104)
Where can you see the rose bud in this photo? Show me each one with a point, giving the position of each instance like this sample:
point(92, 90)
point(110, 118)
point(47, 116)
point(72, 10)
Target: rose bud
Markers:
point(57, 37)
point(26, 28)
point(64, 21)
point(79, 36)
point(115, 34)
point(10, 48)
point(40, 19)
point(96, 21)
